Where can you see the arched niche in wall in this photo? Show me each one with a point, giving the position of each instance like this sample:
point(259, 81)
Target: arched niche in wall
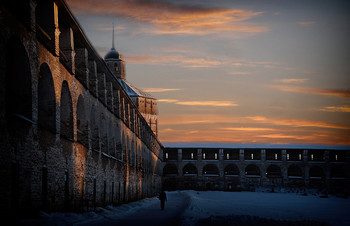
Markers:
point(210, 169)
point(123, 151)
point(338, 172)
point(18, 84)
point(95, 136)
point(111, 139)
point(170, 170)
point(66, 112)
point(316, 172)
point(82, 122)
point(103, 134)
point(273, 171)
point(190, 169)
point(46, 99)
point(252, 170)
point(231, 170)
point(295, 171)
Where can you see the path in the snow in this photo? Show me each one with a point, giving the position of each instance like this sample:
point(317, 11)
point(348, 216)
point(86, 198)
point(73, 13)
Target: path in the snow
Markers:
point(152, 215)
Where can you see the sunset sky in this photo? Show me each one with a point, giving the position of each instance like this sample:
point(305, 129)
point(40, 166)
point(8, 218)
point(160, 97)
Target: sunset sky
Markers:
point(234, 71)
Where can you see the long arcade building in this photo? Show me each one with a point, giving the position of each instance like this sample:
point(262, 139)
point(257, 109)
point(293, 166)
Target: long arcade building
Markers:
point(241, 168)
point(70, 136)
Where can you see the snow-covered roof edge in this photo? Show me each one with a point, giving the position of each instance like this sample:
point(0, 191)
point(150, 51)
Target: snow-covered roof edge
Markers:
point(133, 90)
point(244, 145)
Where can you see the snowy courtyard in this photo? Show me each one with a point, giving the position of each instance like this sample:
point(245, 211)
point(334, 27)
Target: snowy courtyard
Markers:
point(196, 207)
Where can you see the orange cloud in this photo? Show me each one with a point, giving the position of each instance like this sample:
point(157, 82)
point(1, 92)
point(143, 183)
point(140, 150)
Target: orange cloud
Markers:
point(297, 123)
point(166, 130)
point(212, 135)
point(208, 103)
point(247, 63)
point(294, 80)
point(248, 129)
point(158, 90)
point(201, 103)
point(197, 119)
point(307, 90)
point(178, 60)
point(239, 73)
point(257, 118)
point(344, 108)
point(167, 100)
point(170, 18)
point(282, 136)
point(306, 23)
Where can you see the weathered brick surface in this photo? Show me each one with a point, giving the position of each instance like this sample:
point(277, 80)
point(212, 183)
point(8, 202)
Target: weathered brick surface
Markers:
point(43, 170)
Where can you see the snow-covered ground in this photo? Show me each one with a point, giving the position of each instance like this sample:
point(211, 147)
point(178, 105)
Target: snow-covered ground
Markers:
point(187, 207)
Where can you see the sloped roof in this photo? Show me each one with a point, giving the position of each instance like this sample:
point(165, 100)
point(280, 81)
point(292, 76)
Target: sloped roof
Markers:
point(133, 91)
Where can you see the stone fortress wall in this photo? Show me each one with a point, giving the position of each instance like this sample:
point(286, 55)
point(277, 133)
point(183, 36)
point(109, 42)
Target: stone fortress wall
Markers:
point(236, 169)
point(70, 135)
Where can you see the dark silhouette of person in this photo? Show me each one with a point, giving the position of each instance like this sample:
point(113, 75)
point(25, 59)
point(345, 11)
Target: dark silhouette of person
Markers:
point(162, 197)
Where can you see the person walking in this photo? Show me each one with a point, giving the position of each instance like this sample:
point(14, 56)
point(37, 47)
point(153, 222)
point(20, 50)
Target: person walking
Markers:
point(162, 197)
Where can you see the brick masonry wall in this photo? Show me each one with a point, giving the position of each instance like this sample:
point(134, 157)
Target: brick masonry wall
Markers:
point(43, 170)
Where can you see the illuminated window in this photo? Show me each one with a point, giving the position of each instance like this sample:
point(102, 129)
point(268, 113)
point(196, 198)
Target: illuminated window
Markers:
point(312, 156)
point(227, 156)
point(216, 155)
point(287, 156)
point(251, 156)
point(276, 156)
point(192, 155)
point(336, 157)
point(166, 155)
point(299, 156)
point(203, 155)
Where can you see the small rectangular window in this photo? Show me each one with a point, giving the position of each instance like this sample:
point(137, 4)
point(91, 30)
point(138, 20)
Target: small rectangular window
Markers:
point(276, 156)
point(299, 156)
point(312, 156)
point(192, 155)
point(336, 157)
point(227, 156)
point(287, 156)
point(216, 155)
point(203, 155)
point(251, 156)
point(166, 155)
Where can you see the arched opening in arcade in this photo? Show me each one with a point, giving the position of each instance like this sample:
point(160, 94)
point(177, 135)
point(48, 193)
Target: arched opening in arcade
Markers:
point(316, 172)
point(338, 179)
point(190, 169)
point(295, 172)
point(46, 99)
point(103, 134)
point(170, 170)
point(231, 170)
point(66, 112)
point(18, 86)
point(82, 122)
point(111, 140)
point(210, 170)
point(252, 171)
point(273, 171)
point(316, 176)
point(95, 137)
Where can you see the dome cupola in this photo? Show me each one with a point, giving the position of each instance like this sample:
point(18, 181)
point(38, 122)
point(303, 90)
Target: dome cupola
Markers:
point(112, 54)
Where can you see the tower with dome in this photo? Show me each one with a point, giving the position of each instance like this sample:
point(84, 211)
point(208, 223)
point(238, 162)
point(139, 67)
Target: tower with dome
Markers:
point(145, 102)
